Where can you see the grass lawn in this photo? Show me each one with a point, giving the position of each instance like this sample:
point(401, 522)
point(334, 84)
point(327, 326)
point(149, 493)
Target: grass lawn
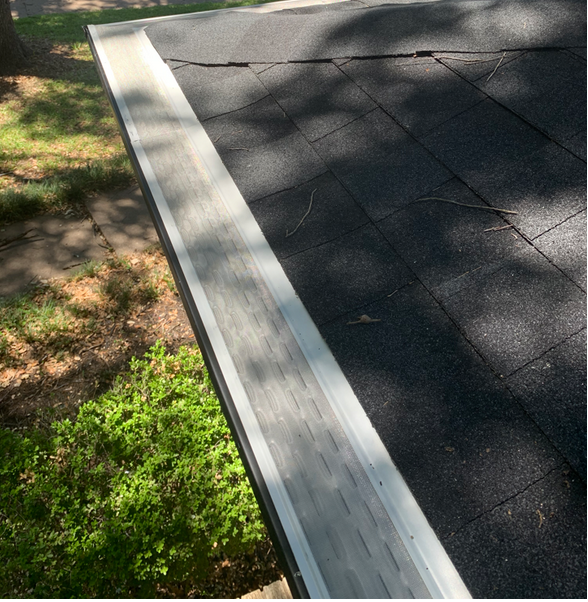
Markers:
point(59, 141)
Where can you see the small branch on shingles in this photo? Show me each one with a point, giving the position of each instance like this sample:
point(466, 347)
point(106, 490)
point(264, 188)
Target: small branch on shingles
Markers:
point(7, 241)
point(469, 272)
point(434, 198)
point(305, 215)
point(496, 68)
point(365, 320)
point(238, 148)
point(499, 228)
point(454, 58)
point(394, 292)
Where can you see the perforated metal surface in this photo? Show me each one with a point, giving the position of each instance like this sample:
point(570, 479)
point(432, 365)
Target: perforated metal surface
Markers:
point(349, 534)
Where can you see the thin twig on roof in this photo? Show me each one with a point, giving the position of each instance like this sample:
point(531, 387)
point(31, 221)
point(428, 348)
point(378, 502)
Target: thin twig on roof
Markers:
point(468, 272)
point(499, 228)
point(305, 215)
point(454, 58)
point(487, 208)
point(496, 68)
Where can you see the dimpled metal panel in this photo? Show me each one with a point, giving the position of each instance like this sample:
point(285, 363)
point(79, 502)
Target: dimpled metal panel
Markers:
point(354, 543)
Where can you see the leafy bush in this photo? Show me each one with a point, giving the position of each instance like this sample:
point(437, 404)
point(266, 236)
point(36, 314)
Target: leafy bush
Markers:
point(143, 489)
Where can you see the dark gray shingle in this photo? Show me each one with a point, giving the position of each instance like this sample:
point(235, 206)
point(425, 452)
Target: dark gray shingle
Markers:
point(380, 164)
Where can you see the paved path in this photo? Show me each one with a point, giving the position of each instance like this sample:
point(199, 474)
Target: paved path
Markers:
point(29, 8)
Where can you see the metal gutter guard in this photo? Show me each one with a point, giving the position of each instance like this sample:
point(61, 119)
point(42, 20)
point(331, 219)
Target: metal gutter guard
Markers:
point(342, 518)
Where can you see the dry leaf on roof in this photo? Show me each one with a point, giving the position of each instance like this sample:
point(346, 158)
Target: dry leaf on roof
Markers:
point(365, 319)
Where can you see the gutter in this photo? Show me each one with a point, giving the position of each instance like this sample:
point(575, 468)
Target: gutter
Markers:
point(268, 510)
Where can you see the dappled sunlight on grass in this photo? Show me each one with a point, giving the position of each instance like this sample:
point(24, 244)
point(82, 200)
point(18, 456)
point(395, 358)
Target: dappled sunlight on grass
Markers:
point(54, 125)
point(58, 138)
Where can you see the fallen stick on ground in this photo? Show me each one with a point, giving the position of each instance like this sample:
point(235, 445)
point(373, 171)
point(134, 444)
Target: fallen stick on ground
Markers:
point(6, 241)
point(91, 348)
point(305, 215)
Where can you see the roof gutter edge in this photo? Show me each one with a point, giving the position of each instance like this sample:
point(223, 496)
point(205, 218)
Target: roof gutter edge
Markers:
point(254, 473)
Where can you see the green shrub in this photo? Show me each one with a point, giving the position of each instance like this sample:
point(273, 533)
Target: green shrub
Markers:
point(143, 489)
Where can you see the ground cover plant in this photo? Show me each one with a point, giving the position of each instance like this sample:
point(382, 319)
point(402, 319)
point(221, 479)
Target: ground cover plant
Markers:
point(125, 498)
point(70, 426)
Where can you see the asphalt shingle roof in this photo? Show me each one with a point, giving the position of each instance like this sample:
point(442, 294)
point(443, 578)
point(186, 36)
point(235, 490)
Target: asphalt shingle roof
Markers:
point(475, 377)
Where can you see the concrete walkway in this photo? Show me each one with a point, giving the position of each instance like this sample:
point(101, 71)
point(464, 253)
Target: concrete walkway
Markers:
point(54, 246)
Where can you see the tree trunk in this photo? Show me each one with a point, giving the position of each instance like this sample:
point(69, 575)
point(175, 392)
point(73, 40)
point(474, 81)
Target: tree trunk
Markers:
point(12, 50)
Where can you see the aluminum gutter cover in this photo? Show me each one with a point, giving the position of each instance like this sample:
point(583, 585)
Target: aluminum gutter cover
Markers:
point(347, 523)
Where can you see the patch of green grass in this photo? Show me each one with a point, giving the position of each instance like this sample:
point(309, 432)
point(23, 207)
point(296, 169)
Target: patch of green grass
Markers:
point(49, 323)
point(148, 290)
point(124, 290)
point(171, 285)
point(63, 189)
point(58, 141)
point(143, 489)
point(89, 269)
point(67, 27)
point(119, 291)
point(53, 321)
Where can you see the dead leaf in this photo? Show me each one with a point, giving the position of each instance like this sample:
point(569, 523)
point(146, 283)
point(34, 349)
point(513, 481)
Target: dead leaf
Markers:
point(365, 319)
